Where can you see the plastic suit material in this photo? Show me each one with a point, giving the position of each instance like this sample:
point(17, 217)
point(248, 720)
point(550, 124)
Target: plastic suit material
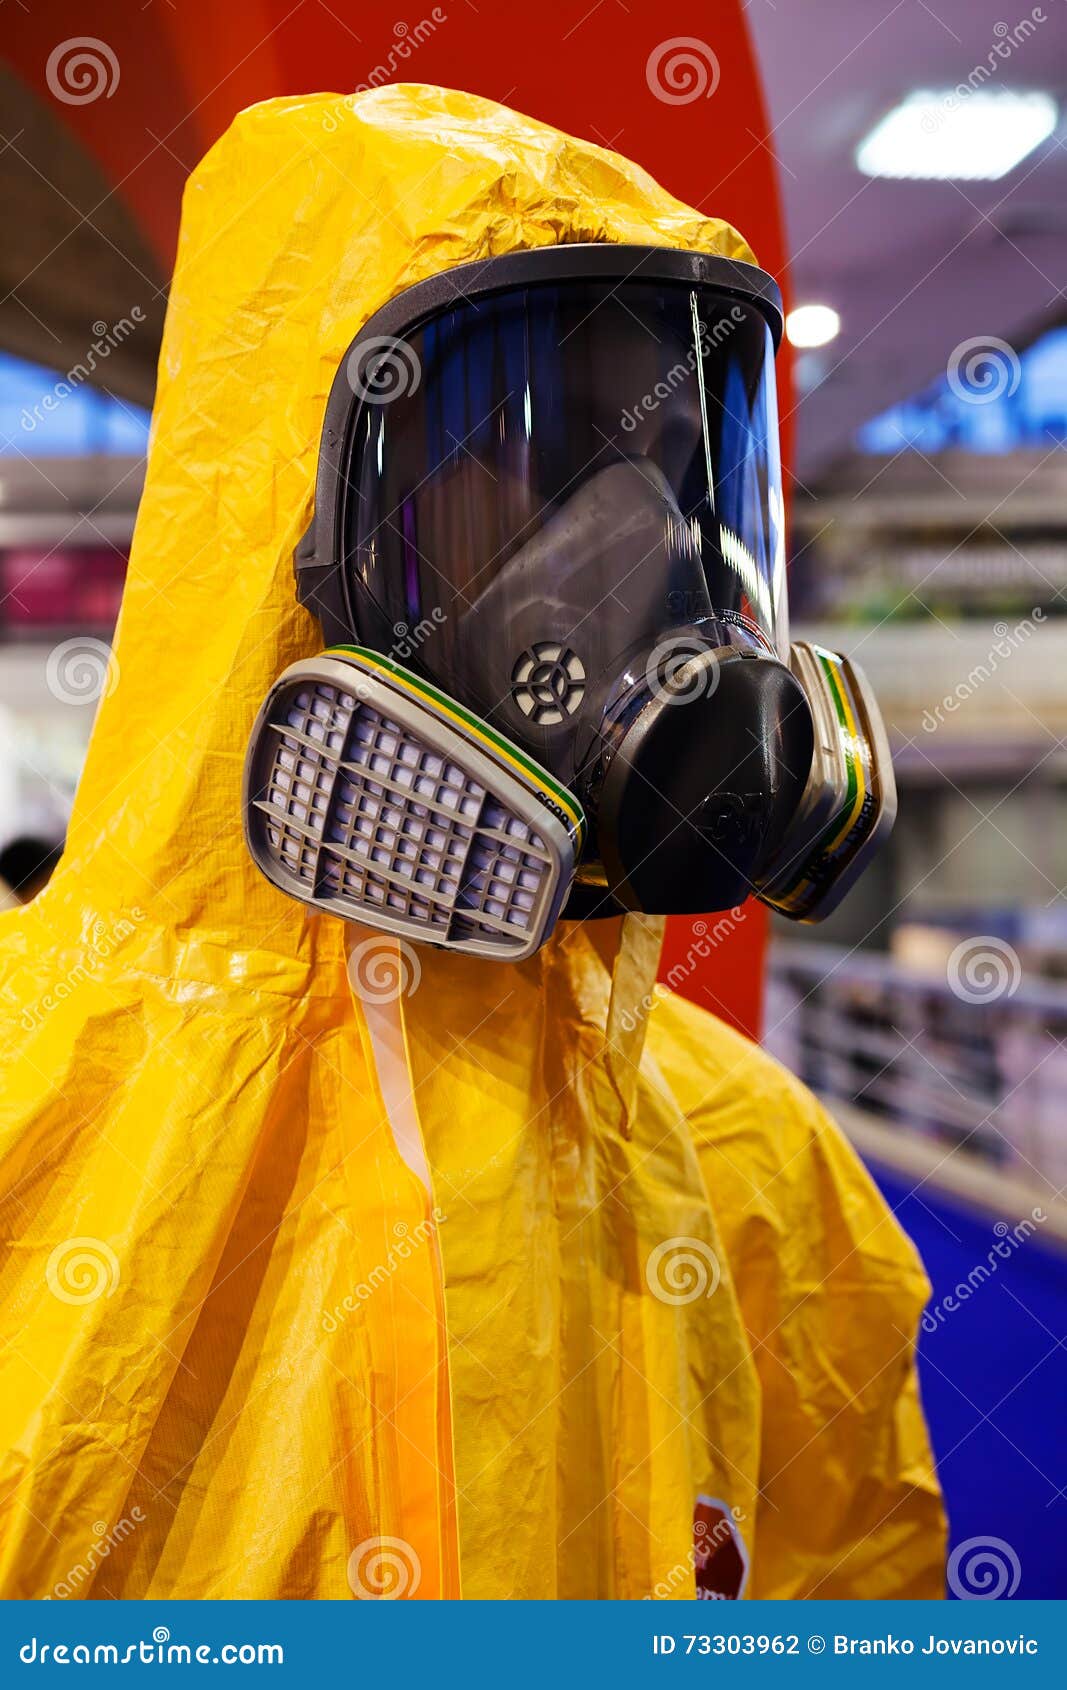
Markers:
point(311, 1289)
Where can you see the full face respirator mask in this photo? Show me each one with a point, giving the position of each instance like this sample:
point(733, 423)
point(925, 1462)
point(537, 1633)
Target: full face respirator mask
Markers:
point(548, 558)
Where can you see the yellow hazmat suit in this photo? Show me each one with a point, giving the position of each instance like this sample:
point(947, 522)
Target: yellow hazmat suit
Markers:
point(397, 1274)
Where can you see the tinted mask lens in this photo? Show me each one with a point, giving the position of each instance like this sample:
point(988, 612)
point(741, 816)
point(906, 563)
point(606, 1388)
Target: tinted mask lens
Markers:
point(576, 467)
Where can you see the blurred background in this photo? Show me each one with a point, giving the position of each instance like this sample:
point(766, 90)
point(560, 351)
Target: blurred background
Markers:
point(924, 179)
point(919, 153)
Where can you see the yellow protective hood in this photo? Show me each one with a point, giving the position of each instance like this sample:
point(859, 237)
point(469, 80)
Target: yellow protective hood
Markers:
point(309, 1291)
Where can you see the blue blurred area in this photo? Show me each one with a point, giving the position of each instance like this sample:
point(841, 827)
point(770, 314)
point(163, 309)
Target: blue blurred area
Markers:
point(1005, 404)
point(43, 413)
point(994, 1382)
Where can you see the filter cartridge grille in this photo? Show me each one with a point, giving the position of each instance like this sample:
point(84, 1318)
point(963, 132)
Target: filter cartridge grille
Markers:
point(366, 817)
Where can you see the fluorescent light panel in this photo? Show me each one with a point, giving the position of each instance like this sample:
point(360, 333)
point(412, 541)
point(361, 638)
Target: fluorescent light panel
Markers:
point(956, 134)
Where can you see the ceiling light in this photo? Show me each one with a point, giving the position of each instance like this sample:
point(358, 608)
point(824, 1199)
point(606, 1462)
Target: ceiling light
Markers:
point(957, 134)
point(812, 325)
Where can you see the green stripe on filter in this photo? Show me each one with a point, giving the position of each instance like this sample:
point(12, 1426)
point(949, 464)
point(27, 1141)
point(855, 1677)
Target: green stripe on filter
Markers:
point(478, 729)
point(837, 835)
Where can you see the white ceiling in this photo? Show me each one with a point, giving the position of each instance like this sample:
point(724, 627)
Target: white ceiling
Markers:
point(914, 268)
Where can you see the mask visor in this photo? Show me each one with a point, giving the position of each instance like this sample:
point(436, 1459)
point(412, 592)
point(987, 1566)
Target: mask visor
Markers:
point(850, 801)
point(371, 796)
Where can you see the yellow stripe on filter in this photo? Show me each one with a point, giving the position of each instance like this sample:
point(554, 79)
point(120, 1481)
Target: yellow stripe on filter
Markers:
point(473, 726)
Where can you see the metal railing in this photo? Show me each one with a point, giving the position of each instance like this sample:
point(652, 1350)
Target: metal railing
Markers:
point(907, 1048)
